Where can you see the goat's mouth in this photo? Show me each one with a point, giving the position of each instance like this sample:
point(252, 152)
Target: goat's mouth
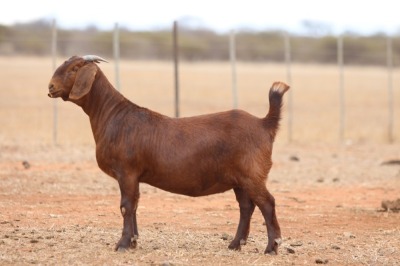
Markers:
point(54, 94)
point(51, 95)
point(57, 94)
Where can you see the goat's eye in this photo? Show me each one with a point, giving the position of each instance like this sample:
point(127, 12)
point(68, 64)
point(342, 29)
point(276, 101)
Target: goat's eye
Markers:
point(75, 68)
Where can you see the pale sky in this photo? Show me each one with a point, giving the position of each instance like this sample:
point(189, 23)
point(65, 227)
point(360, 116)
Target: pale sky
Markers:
point(364, 17)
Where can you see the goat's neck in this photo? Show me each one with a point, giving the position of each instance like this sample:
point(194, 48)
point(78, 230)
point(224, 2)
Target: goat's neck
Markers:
point(101, 103)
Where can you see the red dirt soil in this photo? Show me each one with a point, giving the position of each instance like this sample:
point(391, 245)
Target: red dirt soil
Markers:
point(58, 208)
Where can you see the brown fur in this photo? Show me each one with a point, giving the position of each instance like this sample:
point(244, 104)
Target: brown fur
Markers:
point(194, 156)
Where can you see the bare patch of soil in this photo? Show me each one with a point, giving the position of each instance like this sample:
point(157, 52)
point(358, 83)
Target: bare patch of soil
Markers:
point(56, 207)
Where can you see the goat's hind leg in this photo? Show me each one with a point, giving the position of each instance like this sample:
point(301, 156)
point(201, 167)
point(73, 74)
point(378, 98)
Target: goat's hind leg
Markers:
point(246, 211)
point(129, 187)
point(266, 203)
point(271, 221)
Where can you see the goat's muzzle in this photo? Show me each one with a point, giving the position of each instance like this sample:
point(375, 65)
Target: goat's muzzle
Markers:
point(52, 91)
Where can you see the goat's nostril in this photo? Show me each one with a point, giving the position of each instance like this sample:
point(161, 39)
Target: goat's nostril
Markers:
point(51, 90)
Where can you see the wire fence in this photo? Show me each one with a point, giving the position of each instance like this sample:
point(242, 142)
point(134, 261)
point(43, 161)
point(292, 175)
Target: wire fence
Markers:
point(290, 51)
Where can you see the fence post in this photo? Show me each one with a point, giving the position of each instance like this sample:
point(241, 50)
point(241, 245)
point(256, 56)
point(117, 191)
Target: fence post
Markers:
point(116, 56)
point(341, 88)
point(389, 60)
point(232, 55)
point(289, 81)
point(176, 67)
point(54, 58)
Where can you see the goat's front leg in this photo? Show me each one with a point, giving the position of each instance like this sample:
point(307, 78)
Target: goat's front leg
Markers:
point(129, 187)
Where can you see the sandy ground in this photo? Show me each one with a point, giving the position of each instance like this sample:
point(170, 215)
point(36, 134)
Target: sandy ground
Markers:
point(58, 208)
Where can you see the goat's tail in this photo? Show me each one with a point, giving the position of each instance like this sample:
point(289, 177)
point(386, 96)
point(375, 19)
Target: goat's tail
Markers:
point(273, 117)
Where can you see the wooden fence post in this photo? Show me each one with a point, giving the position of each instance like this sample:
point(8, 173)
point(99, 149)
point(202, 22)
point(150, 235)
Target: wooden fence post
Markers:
point(232, 55)
point(116, 56)
point(289, 81)
point(389, 60)
point(341, 89)
point(54, 65)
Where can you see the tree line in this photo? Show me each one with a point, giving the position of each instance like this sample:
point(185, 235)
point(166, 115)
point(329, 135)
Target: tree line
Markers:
point(195, 44)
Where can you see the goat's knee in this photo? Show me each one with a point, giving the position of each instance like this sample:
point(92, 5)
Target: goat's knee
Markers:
point(123, 211)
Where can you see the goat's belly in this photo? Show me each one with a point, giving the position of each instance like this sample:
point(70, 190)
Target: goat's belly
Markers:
point(192, 190)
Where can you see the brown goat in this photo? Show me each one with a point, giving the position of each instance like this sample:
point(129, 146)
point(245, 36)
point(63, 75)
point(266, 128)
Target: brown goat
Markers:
point(194, 156)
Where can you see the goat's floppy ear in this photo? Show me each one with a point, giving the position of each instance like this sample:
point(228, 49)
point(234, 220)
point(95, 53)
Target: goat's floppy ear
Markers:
point(83, 81)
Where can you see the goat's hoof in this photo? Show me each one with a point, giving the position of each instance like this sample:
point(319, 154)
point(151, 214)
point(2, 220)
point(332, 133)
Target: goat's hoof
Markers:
point(270, 252)
point(124, 244)
point(121, 249)
point(234, 246)
point(274, 249)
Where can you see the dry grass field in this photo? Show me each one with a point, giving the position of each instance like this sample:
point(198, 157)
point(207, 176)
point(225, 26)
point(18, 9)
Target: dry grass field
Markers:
point(56, 207)
point(206, 87)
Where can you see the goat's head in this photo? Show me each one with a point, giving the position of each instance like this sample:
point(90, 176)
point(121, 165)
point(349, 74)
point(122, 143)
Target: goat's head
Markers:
point(74, 78)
